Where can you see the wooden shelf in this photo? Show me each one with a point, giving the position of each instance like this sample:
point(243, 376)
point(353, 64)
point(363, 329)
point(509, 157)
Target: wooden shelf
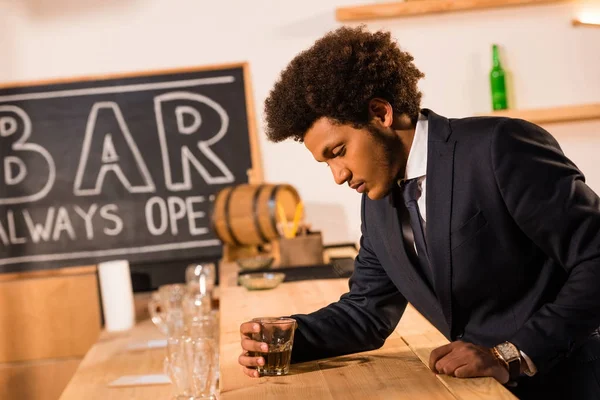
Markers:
point(411, 8)
point(553, 115)
point(577, 22)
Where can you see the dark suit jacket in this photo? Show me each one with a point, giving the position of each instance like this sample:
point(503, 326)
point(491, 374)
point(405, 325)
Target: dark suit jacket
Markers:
point(513, 234)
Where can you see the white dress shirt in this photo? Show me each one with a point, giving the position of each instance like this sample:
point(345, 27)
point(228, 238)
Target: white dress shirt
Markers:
point(416, 165)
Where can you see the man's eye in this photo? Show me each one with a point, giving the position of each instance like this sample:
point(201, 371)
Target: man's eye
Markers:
point(339, 151)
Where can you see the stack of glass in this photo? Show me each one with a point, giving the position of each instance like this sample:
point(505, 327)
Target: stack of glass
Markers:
point(184, 314)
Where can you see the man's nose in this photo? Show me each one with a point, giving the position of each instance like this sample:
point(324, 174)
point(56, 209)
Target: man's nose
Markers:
point(340, 174)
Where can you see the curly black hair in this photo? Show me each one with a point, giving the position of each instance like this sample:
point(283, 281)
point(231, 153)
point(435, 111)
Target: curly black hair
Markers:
point(336, 78)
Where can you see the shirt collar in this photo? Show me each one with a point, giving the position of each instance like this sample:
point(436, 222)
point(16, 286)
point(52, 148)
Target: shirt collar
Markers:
point(416, 165)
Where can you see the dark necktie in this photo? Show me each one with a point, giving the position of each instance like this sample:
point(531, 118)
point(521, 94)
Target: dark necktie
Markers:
point(410, 191)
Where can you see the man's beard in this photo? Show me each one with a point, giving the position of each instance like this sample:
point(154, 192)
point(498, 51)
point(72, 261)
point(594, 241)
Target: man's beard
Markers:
point(392, 148)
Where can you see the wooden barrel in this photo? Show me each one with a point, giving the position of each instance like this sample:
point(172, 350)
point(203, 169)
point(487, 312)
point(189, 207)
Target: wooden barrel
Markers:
point(247, 214)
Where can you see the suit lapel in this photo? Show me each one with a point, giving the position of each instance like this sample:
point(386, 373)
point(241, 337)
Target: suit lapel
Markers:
point(403, 268)
point(440, 165)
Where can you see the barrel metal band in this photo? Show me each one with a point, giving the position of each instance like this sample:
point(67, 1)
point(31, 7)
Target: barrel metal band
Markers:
point(261, 233)
point(227, 221)
point(272, 208)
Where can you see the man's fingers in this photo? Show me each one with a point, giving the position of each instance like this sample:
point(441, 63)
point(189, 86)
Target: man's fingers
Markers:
point(248, 328)
point(475, 370)
point(453, 358)
point(439, 353)
point(248, 361)
point(252, 373)
point(252, 345)
point(449, 365)
point(465, 371)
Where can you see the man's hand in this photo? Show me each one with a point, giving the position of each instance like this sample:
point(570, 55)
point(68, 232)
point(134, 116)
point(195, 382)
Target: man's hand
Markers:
point(467, 360)
point(249, 347)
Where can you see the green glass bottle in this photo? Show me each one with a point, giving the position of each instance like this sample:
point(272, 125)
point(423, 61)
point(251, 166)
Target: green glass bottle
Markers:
point(498, 82)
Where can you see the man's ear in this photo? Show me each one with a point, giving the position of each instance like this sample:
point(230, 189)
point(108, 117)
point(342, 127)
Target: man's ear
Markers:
point(381, 111)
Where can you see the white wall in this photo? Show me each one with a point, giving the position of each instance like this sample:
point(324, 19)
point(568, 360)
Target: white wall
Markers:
point(552, 63)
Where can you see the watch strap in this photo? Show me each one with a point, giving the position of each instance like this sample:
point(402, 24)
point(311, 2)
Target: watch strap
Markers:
point(514, 369)
point(529, 367)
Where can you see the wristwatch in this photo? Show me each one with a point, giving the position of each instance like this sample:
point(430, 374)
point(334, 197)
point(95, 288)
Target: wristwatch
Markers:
point(511, 357)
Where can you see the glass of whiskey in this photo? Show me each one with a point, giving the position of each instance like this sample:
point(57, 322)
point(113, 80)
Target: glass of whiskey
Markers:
point(278, 334)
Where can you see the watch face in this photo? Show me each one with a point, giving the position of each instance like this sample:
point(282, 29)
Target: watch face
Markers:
point(508, 351)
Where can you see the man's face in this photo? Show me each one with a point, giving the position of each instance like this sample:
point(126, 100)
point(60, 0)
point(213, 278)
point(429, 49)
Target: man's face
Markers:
point(367, 159)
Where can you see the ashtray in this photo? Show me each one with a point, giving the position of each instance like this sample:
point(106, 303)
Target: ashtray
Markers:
point(258, 262)
point(261, 280)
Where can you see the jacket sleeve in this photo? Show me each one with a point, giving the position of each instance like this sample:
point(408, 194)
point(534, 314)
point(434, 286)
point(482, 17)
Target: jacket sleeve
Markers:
point(360, 320)
point(549, 200)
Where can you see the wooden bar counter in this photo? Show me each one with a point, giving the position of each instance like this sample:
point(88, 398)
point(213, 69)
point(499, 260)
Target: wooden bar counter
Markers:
point(398, 370)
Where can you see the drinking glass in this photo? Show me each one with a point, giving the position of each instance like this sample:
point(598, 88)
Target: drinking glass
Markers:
point(192, 365)
point(201, 277)
point(278, 334)
point(166, 306)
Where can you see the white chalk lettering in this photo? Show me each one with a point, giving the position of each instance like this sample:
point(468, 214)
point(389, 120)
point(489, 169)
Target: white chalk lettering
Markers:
point(9, 178)
point(112, 165)
point(3, 236)
point(163, 215)
point(39, 231)
point(176, 212)
point(188, 153)
point(12, 229)
point(63, 223)
point(109, 154)
point(180, 112)
point(105, 212)
point(193, 215)
point(15, 121)
point(138, 87)
point(8, 126)
point(87, 217)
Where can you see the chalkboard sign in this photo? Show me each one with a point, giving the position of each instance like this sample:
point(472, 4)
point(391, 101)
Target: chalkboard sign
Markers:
point(121, 167)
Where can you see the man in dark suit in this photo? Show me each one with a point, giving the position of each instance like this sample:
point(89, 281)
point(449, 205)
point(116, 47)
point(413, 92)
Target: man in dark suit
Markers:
point(482, 224)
